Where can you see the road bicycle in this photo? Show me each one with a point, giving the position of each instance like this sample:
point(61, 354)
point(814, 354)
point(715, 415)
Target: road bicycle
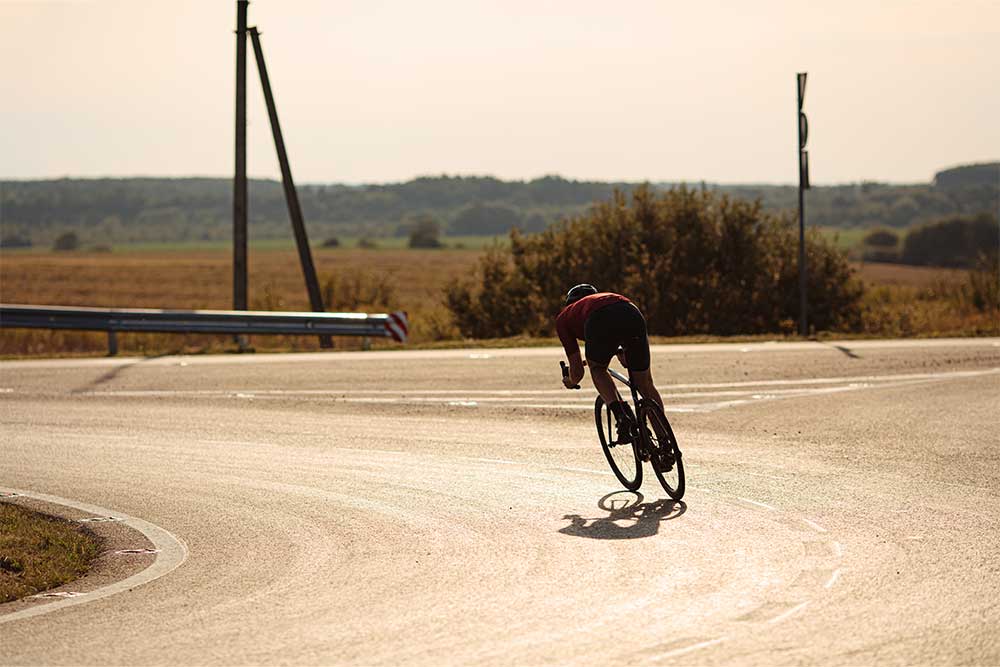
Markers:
point(648, 438)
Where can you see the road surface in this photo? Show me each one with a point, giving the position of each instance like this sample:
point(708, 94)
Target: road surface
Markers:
point(453, 507)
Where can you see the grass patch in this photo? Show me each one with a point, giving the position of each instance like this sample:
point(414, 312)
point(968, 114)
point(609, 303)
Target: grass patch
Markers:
point(39, 552)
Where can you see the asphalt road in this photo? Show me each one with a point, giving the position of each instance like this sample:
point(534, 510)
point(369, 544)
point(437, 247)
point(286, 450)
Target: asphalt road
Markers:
point(454, 507)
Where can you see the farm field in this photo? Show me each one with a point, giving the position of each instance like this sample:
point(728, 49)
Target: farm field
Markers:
point(904, 300)
point(358, 280)
point(878, 273)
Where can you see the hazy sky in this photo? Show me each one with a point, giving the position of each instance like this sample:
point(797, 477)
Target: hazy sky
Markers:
point(375, 91)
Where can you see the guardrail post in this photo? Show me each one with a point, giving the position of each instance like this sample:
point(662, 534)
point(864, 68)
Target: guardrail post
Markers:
point(112, 343)
point(366, 343)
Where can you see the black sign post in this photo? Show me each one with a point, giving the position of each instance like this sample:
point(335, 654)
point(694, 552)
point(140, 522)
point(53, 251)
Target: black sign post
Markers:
point(803, 125)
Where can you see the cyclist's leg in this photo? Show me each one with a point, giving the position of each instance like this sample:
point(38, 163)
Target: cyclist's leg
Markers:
point(603, 381)
point(601, 344)
point(644, 383)
point(636, 347)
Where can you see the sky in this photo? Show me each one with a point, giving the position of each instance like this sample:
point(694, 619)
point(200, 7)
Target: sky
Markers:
point(383, 91)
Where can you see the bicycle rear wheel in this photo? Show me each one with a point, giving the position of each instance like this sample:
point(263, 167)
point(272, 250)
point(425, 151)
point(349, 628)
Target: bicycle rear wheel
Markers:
point(623, 458)
point(664, 454)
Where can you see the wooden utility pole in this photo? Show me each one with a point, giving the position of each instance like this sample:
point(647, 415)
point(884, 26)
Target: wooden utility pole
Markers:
point(240, 175)
point(291, 196)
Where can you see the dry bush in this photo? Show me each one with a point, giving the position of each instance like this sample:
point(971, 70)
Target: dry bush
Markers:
point(693, 261)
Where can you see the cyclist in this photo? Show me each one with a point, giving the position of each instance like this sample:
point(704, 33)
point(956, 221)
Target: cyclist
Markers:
point(607, 322)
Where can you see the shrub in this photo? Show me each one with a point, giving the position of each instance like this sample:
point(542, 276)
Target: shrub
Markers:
point(367, 243)
point(424, 233)
point(347, 292)
point(984, 283)
point(882, 238)
point(15, 241)
point(332, 242)
point(67, 241)
point(953, 242)
point(694, 262)
point(880, 245)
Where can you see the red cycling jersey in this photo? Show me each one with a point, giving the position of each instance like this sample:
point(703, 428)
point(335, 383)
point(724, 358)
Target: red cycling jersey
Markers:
point(571, 320)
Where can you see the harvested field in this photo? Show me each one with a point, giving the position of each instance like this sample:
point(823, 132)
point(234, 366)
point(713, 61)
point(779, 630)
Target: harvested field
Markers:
point(876, 273)
point(373, 280)
point(900, 301)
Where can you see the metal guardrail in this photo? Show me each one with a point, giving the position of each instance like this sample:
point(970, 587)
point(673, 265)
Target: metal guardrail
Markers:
point(236, 322)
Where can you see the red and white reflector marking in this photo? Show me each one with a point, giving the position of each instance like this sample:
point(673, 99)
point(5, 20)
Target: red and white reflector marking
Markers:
point(397, 326)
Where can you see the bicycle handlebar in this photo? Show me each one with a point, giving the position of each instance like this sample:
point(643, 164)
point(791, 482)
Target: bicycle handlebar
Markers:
point(565, 372)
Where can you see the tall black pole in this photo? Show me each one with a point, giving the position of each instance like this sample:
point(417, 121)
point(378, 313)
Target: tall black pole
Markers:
point(803, 126)
point(291, 197)
point(240, 175)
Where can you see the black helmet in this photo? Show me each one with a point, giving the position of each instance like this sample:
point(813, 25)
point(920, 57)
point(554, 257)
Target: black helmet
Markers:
point(579, 292)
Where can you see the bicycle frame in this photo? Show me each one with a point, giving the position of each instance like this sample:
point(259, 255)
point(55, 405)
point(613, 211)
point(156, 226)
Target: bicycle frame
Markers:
point(625, 381)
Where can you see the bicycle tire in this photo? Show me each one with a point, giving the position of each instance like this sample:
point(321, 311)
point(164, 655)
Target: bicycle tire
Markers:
point(660, 440)
point(623, 459)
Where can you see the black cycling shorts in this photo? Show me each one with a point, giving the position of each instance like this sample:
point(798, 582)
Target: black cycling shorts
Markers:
point(620, 324)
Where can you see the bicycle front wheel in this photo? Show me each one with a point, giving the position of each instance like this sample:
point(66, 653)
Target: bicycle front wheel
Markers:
point(623, 458)
point(664, 454)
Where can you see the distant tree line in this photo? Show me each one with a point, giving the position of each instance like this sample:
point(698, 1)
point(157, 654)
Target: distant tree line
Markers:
point(956, 241)
point(106, 211)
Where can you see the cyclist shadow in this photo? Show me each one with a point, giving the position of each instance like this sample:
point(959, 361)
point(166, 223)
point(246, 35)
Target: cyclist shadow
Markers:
point(628, 517)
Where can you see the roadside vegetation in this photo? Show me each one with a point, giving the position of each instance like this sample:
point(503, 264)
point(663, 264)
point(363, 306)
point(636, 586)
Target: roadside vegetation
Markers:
point(700, 264)
point(695, 263)
point(39, 552)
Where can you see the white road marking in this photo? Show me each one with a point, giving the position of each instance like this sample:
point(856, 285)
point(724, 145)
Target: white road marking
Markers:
point(833, 579)
point(588, 471)
point(742, 393)
point(760, 474)
point(758, 504)
point(815, 526)
point(61, 594)
point(838, 549)
point(554, 353)
point(172, 552)
point(789, 613)
point(688, 649)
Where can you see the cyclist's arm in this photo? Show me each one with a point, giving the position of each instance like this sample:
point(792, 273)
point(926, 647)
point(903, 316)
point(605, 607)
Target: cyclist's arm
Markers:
point(575, 367)
point(572, 349)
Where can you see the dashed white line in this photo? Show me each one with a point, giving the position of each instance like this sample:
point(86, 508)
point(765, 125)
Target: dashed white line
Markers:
point(789, 613)
point(688, 649)
point(758, 504)
point(833, 579)
point(812, 524)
